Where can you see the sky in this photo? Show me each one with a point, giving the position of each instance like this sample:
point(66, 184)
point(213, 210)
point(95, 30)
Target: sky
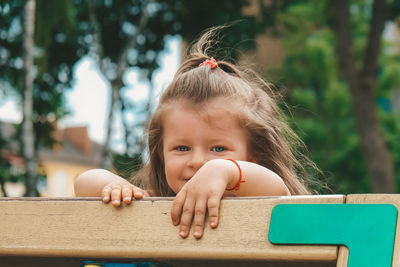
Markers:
point(89, 98)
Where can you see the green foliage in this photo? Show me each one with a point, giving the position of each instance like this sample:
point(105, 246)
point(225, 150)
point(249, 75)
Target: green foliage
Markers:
point(118, 22)
point(326, 125)
point(56, 30)
point(197, 16)
point(11, 43)
point(322, 107)
point(391, 127)
point(56, 51)
point(389, 80)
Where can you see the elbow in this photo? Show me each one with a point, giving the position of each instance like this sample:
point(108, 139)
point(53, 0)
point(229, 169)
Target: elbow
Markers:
point(285, 191)
point(79, 184)
point(282, 187)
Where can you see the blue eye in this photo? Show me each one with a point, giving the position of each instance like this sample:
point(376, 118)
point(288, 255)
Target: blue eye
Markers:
point(182, 148)
point(218, 149)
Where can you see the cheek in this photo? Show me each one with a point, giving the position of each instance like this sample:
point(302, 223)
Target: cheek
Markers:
point(250, 158)
point(175, 185)
point(249, 155)
point(171, 175)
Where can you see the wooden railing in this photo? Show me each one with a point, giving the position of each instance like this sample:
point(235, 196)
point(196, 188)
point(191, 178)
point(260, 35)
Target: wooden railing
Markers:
point(67, 231)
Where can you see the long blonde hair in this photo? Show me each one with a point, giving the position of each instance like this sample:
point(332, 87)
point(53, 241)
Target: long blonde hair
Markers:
point(272, 143)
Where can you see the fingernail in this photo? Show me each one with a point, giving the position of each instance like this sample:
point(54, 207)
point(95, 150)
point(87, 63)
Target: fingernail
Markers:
point(182, 233)
point(127, 198)
point(196, 234)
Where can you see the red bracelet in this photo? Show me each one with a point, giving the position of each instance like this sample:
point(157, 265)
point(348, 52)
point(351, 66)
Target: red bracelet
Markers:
point(237, 186)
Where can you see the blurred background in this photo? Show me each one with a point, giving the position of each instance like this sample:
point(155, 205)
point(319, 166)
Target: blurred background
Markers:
point(79, 79)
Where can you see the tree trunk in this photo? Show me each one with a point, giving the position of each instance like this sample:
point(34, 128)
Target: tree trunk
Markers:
point(122, 65)
point(125, 125)
point(362, 84)
point(2, 186)
point(106, 161)
point(28, 137)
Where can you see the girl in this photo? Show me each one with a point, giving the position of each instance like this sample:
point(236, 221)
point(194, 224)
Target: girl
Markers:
point(216, 132)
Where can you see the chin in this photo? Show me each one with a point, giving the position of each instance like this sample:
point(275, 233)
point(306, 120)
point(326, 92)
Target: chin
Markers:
point(176, 190)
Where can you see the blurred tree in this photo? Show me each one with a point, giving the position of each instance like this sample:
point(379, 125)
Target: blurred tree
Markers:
point(4, 173)
point(197, 16)
point(54, 53)
point(28, 137)
point(362, 80)
point(323, 104)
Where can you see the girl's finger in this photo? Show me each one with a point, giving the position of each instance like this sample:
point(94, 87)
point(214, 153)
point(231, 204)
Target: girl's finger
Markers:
point(127, 194)
point(199, 217)
point(187, 216)
point(213, 210)
point(116, 195)
point(177, 205)
point(105, 194)
point(137, 192)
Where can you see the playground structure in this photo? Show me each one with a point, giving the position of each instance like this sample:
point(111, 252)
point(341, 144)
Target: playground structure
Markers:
point(325, 230)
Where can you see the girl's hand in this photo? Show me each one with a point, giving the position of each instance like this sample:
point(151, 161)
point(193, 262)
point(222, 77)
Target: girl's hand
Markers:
point(201, 193)
point(117, 190)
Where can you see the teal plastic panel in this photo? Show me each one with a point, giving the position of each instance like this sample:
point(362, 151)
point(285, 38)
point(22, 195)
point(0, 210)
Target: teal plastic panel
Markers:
point(368, 230)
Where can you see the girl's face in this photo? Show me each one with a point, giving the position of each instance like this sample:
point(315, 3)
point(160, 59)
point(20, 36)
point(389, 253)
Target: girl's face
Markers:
point(191, 137)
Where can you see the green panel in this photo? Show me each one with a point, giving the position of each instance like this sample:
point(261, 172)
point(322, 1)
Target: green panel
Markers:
point(368, 230)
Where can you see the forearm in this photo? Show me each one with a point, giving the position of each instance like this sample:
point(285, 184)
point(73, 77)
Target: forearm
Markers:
point(259, 181)
point(92, 182)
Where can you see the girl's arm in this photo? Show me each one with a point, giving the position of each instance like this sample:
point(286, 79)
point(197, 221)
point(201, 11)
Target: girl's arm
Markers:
point(259, 181)
point(109, 186)
point(206, 188)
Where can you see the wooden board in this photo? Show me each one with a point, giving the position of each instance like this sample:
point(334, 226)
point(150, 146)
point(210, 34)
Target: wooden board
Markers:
point(88, 228)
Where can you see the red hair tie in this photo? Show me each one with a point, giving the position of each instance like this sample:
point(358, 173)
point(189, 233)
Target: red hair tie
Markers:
point(212, 62)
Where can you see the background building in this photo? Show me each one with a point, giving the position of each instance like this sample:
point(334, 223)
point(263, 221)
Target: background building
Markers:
point(58, 167)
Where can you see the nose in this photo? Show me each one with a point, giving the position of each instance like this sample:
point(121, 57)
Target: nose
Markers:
point(197, 159)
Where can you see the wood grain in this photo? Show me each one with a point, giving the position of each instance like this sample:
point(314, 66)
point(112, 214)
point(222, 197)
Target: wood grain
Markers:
point(88, 228)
